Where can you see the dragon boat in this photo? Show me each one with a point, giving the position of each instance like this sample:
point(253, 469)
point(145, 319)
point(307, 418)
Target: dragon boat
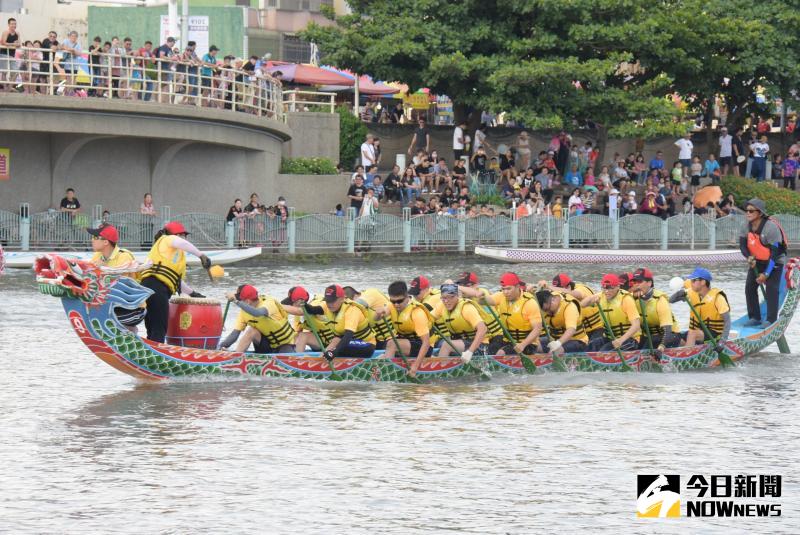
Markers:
point(89, 294)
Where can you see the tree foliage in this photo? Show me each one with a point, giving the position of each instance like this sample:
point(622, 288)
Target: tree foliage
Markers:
point(558, 63)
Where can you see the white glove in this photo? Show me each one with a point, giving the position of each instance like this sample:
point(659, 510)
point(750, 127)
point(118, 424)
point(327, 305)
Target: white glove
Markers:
point(466, 356)
point(555, 345)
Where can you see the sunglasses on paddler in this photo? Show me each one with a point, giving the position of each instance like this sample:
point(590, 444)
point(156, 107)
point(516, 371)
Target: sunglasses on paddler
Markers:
point(397, 301)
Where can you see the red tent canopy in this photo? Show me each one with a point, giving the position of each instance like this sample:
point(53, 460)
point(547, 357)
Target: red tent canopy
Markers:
point(301, 73)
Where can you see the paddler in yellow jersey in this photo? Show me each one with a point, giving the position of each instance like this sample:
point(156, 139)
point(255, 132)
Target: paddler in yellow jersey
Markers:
point(519, 313)
point(165, 275)
point(710, 303)
point(469, 279)
point(352, 334)
point(107, 253)
point(590, 316)
point(420, 289)
point(262, 321)
point(465, 326)
point(412, 322)
point(293, 304)
point(562, 314)
point(374, 300)
point(653, 305)
point(622, 315)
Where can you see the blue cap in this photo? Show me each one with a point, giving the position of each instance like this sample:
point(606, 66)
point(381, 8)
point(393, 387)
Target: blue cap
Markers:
point(700, 273)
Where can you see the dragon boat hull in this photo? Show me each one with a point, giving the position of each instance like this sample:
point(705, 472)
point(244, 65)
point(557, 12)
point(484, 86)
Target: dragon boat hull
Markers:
point(89, 313)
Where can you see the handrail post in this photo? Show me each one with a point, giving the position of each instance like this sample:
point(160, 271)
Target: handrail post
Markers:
point(712, 234)
point(165, 215)
point(97, 215)
point(291, 231)
point(514, 227)
point(462, 230)
point(406, 230)
point(25, 226)
point(664, 234)
point(351, 230)
point(230, 231)
point(615, 233)
point(565, 234)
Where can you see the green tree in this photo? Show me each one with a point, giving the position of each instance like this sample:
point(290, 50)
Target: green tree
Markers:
point(549, 63)
point(352, 133)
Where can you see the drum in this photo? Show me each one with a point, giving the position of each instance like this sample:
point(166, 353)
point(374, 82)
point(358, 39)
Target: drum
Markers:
point(194, 322)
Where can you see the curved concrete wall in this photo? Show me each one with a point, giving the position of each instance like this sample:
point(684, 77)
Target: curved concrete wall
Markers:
point(112, 152)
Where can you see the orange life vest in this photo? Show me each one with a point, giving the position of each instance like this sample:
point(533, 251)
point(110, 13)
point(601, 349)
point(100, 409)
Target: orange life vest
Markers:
point(756, 246)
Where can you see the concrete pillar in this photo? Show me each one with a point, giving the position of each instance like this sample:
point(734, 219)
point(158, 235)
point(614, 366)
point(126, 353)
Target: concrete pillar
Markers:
point(351, 230)
point(615, 234)
point(406, 230)
point(462, 231)
point(712, 234)
point(230, 231)
point(291, 231)
point(664, 234)
point(25, 226)
point(565, 235)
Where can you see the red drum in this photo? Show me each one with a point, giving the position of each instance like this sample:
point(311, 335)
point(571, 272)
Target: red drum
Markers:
point(194, 322)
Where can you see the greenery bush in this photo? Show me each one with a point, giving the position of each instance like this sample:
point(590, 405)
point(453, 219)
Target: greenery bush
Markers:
point(307, 166)
point(351, 135)
point(779, 200)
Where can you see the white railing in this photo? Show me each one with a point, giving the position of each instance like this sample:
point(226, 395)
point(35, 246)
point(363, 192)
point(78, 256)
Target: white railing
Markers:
point(146, 79)
point(297, 100)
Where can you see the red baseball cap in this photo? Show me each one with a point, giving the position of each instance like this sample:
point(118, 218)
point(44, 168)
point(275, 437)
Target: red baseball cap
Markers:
point(642, 274)
point(418, 284)
point(175, 227)
point(298, 292)
point(105, 231)
point(246, 292)
point(610, 279)
point(561, 280)
point(510, 279)
point(333, 292)
point(467, 277)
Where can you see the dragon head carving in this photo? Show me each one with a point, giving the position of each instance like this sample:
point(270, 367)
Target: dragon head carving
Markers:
point(92, 284)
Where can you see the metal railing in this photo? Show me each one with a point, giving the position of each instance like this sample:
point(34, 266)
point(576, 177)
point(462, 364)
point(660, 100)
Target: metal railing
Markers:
point(129, 76)
point(315, 233)
point(297, 100)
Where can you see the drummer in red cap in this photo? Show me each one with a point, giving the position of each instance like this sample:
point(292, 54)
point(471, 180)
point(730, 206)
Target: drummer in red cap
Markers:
point(108, 253)
point(622, 315)
point(262, 321)
point(165, 275)
point(519, 313)
point(420, 289)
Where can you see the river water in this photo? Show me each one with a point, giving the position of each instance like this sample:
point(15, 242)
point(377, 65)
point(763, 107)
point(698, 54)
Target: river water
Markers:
point(84, 448)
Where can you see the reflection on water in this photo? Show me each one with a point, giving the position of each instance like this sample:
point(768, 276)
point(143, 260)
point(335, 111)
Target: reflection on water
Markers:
point(87, 449)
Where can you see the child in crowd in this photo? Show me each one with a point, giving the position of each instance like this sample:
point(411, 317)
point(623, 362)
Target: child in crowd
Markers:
point(711, 169)
point(791, 169)
point(589, 178)
point(695, 170)
point(677, 175)
point(556, 208)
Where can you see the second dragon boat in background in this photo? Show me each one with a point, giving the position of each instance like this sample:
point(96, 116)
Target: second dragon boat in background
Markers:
point(610, 256)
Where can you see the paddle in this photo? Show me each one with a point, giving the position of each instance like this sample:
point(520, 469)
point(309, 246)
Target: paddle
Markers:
point(610, 333)
point(724, 359)
point(225, 314)
point(483, 374)
point(527, 362)
point(399, 351)
point(334, 376)
point(653, 351)
point(783, 345)
point(558, 362)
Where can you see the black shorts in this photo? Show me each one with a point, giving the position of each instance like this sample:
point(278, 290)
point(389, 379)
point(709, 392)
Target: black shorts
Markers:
point(724, 160)
point(416, 345)
point(129, 318)
point(695, 180)
point(262, 346)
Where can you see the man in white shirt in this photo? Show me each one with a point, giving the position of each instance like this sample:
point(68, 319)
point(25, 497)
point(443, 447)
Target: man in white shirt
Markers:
point(685, 147)
point(368, 152)
point(458, 140)
point(725, 150)
point(760, 149)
